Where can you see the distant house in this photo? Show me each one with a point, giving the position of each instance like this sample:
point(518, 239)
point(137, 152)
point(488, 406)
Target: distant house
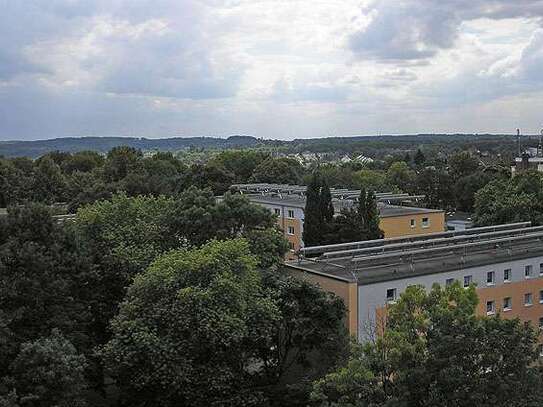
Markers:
point(363, 159)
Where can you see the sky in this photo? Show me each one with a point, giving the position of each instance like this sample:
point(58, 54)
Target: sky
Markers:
point(280, 69)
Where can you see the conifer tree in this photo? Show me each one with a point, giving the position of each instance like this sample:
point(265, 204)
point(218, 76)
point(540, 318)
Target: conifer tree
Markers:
point(327, 208)
point(313, 223)
point(371, 217)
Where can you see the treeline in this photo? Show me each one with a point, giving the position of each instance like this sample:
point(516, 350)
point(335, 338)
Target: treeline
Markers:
point(84, 177)
point(87, 176)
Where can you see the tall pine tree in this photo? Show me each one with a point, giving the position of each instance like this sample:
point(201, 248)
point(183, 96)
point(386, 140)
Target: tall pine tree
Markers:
point(313, 220)
point(370, 215)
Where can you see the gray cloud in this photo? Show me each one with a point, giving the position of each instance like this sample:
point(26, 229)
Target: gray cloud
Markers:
point(411, 30)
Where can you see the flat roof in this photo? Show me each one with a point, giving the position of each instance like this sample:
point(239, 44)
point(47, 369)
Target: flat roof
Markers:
point(388, 261)
point(296, 201)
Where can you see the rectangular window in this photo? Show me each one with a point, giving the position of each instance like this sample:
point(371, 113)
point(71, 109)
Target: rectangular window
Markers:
point(291, 245)
point(425, 222)
point(541, 324)
point(291, 230)
point(541, 297)
point(506, 275)
point(541, 269)
point(391, 295)
point(507, 304)
point(528, 299)
point(490, 278)
point(467, 281)
point(528, 271)
point(413, 223)
point(490, 308)
point(277, 211)
point(449, 281)
point(291, 213)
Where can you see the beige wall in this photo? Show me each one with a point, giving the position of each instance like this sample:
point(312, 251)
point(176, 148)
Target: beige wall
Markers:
point(395, 226)
point(516, 291)
point(345, 290)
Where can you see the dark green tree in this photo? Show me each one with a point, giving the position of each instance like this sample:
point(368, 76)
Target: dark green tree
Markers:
point(47, 372)
point(313, 217)
point(370, 216)
point(278, 170)
point(419, 158)
point(49, 184)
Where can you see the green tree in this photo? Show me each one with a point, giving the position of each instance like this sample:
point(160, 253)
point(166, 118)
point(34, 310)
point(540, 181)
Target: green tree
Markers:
point(48, 372)
point(435, 351)
point(437, 187)
point(510, 200)
point(43, 282)
point(375, 180)
point(278, 170)
point(325, 202)
point(313, 218)
point(295, 352)
point(466, 188)
point(370, 216)
point(241, 163)
point(419, 158)
point(401, 176)
point(462, 164)
point(182, 333)
point(120, 162)
point(83, 161)
point(49, 184)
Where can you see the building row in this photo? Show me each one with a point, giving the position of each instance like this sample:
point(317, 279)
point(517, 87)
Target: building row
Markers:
point(397, 213)
point(505, 263)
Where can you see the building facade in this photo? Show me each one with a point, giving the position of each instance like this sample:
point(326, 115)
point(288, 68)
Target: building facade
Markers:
point(504, 262)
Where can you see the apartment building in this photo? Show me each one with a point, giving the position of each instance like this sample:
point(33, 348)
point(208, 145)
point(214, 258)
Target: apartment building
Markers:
point(505, 263)
point(396, 219)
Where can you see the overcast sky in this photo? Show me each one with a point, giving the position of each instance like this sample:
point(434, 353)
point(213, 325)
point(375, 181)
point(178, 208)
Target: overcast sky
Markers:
point(270, 68)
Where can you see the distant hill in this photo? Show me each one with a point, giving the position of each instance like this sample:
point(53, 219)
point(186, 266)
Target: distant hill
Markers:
point(371, 145)
point(37, 148)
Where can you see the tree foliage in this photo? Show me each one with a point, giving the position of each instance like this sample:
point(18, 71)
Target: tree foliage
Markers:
point(435, 351)
point(510, 200)
point(200, 328)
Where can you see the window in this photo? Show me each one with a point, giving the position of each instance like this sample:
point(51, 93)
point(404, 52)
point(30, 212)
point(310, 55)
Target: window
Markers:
point(413, 223)
point(528, 299)
point(490, 307)
point(291, 213)
point(277, 211)
point(541, 269)
point(391, 295)
point(449, 281)
point(425, 222)
point(541, 297)
point(528, 271)
point(291, 245)
point(490, 278)
point(506, 275)
point(291, 230)
point(541, 324)
point(467, 281)
point(507, 304)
